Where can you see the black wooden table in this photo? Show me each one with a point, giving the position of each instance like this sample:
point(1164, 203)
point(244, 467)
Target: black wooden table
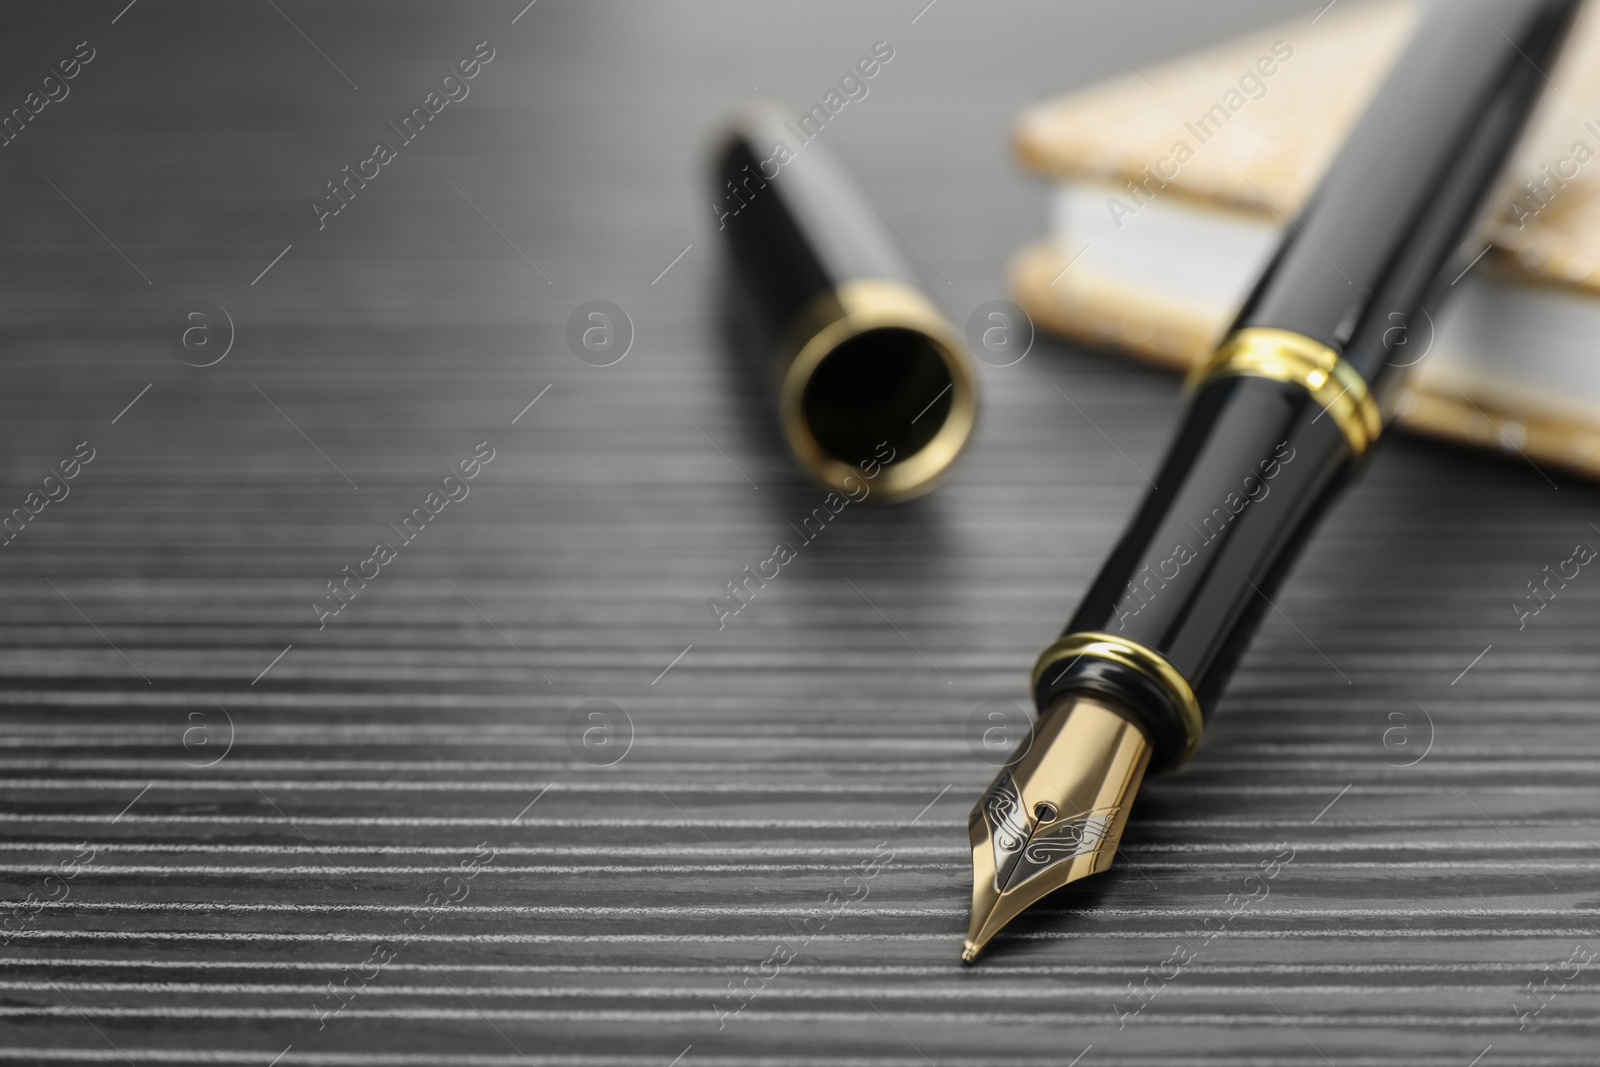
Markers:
point(520, 801)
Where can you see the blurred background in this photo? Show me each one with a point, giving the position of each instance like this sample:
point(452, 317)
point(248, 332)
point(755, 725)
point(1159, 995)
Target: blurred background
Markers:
point(411, 835)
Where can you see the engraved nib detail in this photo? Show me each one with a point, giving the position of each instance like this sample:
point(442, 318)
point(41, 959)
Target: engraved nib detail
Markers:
point(1055, 815)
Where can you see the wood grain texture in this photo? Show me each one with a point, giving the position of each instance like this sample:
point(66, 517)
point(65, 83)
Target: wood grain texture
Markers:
point(823, 725)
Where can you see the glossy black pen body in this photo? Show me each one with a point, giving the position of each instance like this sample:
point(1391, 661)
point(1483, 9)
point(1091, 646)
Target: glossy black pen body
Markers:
point(1279, 419)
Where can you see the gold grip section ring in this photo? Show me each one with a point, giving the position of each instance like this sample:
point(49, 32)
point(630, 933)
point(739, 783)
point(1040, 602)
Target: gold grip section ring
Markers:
point(1137, 657)
point(1285, 356)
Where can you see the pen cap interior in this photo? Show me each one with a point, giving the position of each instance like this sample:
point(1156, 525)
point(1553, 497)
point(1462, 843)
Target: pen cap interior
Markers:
point(878, 388)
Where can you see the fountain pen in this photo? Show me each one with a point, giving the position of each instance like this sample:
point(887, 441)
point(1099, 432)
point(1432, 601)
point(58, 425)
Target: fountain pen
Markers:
point(1279, 417)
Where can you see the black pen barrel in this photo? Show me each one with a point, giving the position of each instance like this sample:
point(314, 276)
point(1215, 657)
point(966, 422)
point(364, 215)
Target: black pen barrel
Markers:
point(1400, 197)
point(1294, 397)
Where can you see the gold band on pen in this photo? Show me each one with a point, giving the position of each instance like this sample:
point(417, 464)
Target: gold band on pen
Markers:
point(1285, 356)
point(1146, 661)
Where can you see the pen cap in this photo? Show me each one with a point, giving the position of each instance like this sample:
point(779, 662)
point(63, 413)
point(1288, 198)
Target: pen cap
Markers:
point(866, 372)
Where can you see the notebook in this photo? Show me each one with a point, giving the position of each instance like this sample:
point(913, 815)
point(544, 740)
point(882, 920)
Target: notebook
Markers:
point(1176, 182)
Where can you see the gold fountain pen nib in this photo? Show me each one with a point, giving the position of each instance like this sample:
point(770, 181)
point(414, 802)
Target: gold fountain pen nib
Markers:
point(1054, 816)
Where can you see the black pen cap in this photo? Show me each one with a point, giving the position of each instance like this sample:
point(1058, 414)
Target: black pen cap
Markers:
point(867, 373)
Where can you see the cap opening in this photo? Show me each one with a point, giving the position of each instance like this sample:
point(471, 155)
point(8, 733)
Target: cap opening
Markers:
point(888, 384)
